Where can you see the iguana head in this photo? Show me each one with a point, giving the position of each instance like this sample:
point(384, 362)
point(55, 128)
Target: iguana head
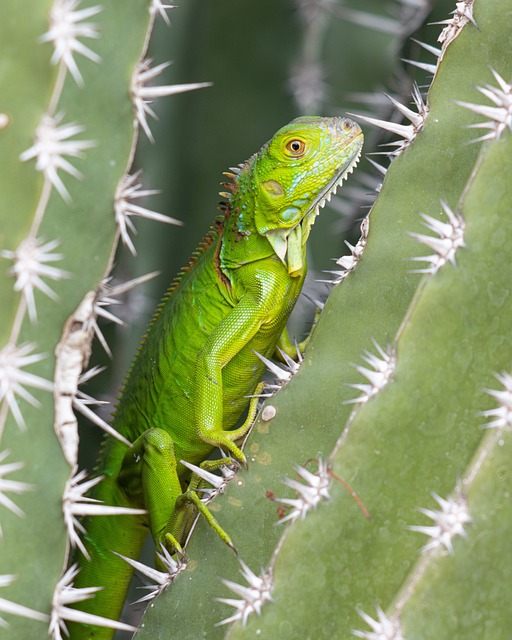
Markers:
point(294, 174)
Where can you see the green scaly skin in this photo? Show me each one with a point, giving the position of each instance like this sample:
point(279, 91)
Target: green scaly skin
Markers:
point(189, 383)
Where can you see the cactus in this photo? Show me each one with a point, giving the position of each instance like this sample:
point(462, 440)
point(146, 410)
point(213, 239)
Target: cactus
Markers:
point(69, 102)
point(424, 315)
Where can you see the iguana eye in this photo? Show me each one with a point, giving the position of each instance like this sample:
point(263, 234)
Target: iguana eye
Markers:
point(296, 148)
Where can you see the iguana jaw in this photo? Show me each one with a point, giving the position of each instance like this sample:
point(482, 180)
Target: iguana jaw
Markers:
point(288, 242)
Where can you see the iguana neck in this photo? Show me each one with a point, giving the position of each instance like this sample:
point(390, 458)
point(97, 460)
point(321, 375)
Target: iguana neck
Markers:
point(241, 243)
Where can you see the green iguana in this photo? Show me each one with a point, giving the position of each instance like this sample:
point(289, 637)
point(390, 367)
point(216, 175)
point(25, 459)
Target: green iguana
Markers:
point(190, 381)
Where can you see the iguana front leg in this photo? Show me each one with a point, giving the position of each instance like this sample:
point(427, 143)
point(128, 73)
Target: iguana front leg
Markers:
point(228, 339)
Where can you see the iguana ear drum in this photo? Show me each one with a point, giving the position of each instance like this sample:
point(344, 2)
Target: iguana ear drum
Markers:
point(273, 188)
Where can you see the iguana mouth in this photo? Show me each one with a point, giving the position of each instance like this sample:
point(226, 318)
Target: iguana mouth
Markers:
point(332, 186)
point(288, 242)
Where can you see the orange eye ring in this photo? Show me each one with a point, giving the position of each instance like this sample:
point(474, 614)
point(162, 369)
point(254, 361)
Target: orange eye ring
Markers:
point(296, 147)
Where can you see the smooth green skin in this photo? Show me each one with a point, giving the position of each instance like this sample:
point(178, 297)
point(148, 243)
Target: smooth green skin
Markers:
point(197, 365)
